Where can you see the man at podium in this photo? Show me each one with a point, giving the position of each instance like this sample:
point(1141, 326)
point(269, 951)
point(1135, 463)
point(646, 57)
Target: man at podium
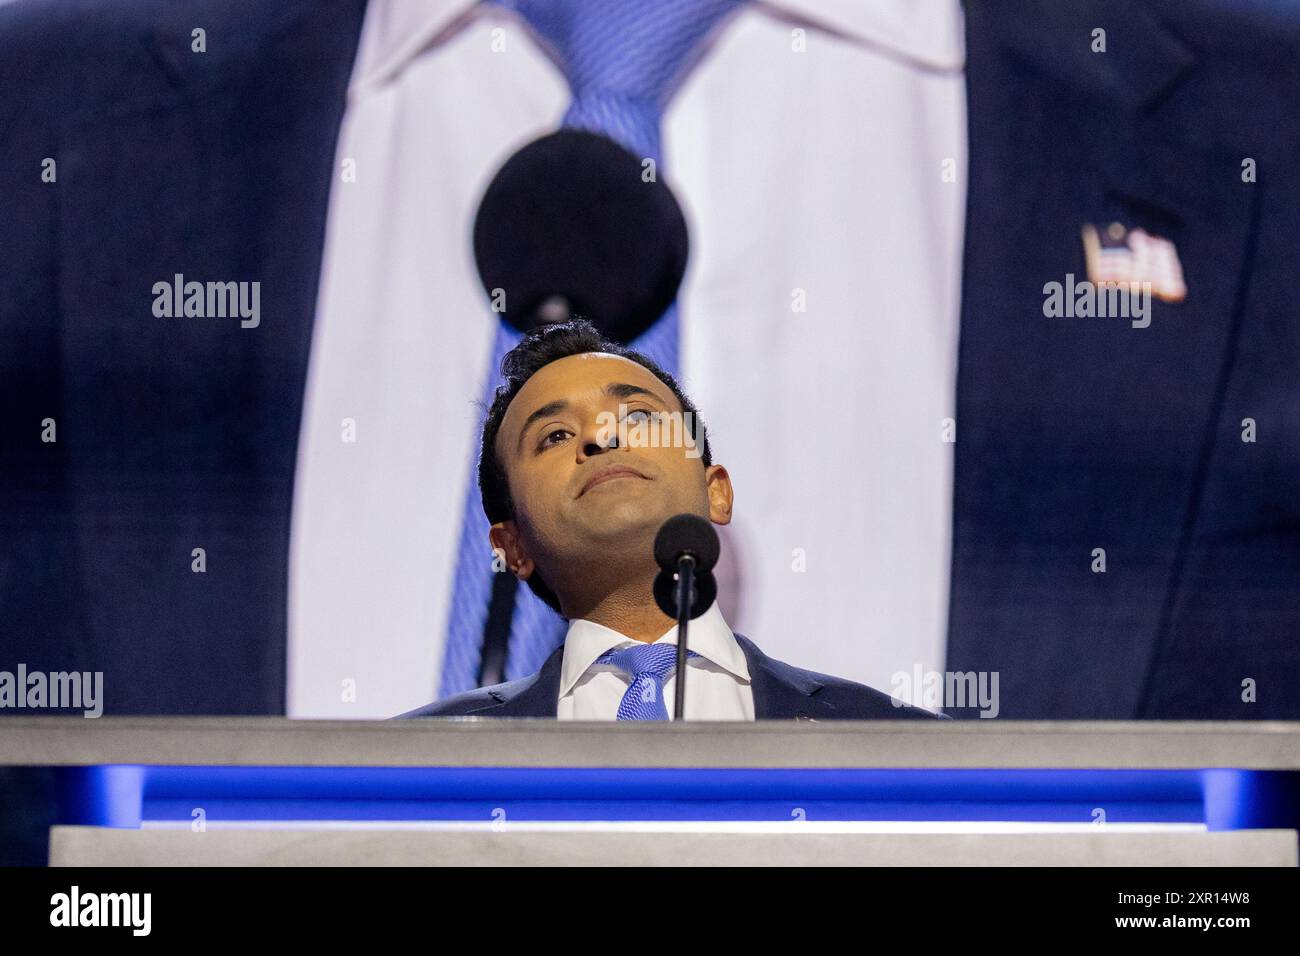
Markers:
point(587, 449)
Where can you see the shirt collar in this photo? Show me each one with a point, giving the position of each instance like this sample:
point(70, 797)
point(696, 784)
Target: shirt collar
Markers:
point(928, 33)
point(709, 636)
point(395, 33)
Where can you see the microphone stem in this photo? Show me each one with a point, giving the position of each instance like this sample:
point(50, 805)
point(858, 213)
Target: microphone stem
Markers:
point(685, 599)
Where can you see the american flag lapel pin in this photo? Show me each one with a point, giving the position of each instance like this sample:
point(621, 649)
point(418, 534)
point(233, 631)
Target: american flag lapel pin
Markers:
point(1117, 255)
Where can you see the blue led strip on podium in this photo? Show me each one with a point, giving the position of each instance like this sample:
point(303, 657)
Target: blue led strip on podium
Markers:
point(126, 796)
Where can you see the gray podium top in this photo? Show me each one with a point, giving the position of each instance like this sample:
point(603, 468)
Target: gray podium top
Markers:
point(489, 742)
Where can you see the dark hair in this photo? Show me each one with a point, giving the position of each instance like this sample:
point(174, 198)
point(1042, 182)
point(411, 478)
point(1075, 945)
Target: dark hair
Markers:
point(540, 347)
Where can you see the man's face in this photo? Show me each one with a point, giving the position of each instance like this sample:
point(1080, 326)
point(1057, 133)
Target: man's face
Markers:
point(573, 492)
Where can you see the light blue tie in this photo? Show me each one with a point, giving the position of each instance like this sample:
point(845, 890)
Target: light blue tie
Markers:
point(648, 665)
point(621, 59)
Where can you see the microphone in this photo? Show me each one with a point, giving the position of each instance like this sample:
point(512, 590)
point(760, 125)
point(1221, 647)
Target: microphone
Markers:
point(569, 226)
point(686, 549)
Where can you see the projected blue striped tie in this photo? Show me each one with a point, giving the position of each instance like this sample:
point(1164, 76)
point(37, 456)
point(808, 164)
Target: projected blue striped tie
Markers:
point(622, 59)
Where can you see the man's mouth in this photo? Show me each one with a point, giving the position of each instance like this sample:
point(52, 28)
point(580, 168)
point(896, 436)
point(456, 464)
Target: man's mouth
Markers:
point(609, 474)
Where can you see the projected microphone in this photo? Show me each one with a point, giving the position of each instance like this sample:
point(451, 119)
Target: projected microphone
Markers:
point(686, 549)
point(569, 226)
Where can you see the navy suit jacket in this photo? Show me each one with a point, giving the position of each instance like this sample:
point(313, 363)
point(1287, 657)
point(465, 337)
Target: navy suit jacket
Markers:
point(781, 692)
point(1073, 435)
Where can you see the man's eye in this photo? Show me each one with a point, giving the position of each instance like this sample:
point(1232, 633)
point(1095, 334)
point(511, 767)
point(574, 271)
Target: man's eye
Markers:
point(649, 415)
point(546, 438)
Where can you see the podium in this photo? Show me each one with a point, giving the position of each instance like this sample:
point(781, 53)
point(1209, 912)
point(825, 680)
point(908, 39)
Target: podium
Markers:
point(482, 791)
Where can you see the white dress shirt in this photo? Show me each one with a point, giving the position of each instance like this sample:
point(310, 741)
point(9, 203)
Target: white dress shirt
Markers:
point(718, 680)
point(808, 147)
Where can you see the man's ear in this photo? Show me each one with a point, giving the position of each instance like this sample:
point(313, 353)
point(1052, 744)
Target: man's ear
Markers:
point(505, 541)
point(718, 483)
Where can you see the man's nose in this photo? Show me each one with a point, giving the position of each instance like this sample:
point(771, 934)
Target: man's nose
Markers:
point(594, 442)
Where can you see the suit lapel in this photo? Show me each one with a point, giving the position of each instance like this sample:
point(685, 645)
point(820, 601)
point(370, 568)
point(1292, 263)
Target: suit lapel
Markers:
point(781, 692)
point(535, 696)
point(1082, 433)
point(215, 165)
